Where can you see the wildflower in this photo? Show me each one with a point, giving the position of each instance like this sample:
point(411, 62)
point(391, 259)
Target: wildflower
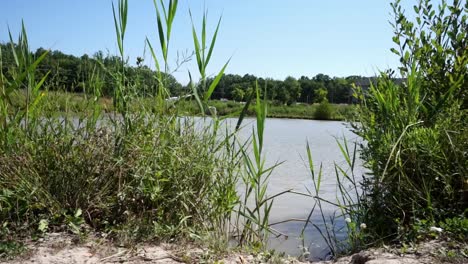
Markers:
point(435, 229)
point(305, 251)
point(363, 226)
point(348, 220)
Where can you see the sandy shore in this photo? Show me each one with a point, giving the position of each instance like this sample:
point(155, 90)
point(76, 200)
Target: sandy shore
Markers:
point(58, 248)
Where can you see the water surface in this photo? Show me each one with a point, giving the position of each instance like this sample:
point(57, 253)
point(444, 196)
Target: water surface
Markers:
point(285, 141)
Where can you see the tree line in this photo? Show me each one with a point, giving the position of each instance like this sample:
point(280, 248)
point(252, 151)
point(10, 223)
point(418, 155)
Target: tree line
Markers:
point(82, 74)
point(291, 90)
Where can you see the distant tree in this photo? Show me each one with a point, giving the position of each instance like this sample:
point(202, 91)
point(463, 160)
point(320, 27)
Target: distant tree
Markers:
point(294, 89)
point(322, 78)
point(321, 95)
point(282, 94)
point(72, 73)
point(238, 94)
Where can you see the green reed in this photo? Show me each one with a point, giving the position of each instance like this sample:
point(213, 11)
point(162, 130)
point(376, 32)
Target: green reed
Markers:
point(144, 173)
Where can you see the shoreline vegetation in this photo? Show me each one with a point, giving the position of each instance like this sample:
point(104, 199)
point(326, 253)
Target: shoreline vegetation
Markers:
point(150, 178)
point(79, 103)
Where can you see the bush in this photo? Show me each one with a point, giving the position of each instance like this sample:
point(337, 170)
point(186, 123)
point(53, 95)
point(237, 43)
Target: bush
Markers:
point(416, 133)
point(324, 111)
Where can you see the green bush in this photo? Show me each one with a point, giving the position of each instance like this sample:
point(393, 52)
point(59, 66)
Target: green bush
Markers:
point(323, 111)
point(457, 227)
point(416, 132)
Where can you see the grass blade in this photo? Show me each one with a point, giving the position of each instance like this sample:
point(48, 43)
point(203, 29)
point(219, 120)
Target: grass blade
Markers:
point(215, 82)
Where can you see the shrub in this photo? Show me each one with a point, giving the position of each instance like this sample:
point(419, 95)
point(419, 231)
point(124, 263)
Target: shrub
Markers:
point(324, 111)
point(416, 133)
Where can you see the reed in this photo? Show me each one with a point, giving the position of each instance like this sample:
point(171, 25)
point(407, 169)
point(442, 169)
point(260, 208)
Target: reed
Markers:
point(135, 173)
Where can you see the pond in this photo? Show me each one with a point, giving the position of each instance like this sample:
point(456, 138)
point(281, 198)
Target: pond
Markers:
point(285, 141)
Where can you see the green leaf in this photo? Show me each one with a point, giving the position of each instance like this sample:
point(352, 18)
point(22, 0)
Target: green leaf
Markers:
point(43, 225)
point(213, 41)
point(215, 82)
point(13, 49)
point(78, 213)
point(195, 94)
point(395, 51)
point(203, 36)
point(243, 113)
point(153, 54)
point(162, 39)
point(117, 31)
point(171, 16)
point(196, 43)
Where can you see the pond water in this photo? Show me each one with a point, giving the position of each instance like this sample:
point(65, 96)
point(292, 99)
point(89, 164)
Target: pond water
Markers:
point(285, 141)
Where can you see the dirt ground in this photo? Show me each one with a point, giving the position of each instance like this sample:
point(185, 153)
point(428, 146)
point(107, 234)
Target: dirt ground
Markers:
point(58, 248)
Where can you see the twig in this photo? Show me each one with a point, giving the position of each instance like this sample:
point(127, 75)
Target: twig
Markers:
point(289, 220)
point(113, 256)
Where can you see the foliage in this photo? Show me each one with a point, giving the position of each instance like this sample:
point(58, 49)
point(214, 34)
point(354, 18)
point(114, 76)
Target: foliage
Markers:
point(144, 171)
point(349, 211)
point(416, 132)
point(324, 111)
point(8, 246)
point(238, 94)
point(256, 228)
point(136, 174)
point(74, 74)
point(321, 95)
point(456, 227)
point(436, 45)
point(290, 90)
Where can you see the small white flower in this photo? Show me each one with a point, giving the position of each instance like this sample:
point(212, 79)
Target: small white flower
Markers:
point(436, 229)
point(348, 220)
point(363, 226)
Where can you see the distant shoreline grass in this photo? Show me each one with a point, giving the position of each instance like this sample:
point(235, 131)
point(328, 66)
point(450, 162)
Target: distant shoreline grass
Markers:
point(66, 102)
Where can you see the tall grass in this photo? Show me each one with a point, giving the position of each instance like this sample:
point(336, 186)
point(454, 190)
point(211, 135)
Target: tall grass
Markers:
point(347, 217)
point(139, 173)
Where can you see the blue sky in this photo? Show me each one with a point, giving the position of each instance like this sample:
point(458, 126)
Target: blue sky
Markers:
point(267, 38)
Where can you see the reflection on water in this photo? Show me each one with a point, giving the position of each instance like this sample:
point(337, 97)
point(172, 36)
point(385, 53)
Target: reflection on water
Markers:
point(285, 141)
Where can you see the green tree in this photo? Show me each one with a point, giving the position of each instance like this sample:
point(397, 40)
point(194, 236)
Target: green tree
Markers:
point(293, 88)
point(238, 94)
point(321, 95)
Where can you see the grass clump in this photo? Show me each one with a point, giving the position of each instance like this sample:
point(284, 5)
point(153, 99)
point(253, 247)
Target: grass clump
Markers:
point(165, 175)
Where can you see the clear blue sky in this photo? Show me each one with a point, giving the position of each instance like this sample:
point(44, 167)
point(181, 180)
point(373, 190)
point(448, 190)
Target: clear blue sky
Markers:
point(267, 38)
